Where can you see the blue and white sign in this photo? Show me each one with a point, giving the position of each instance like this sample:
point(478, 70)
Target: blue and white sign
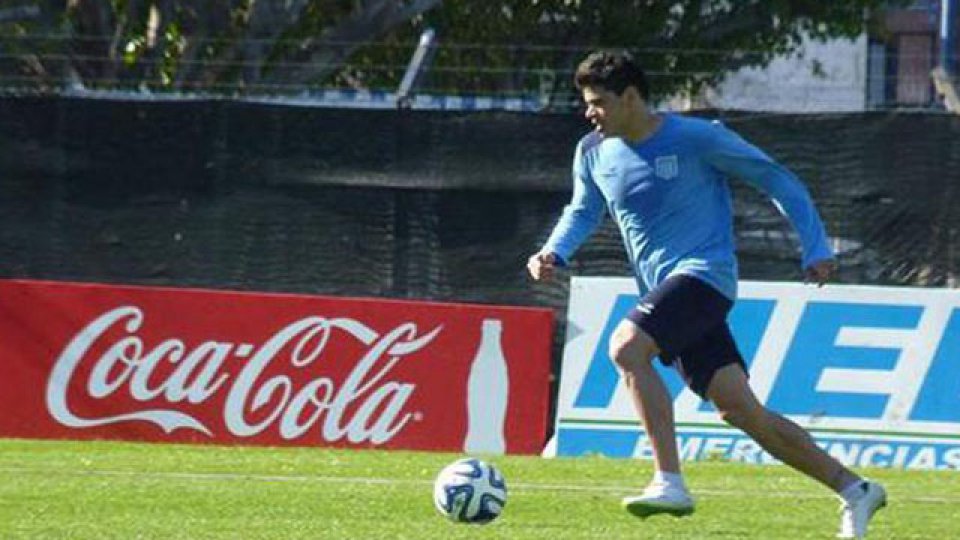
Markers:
point(872, 372)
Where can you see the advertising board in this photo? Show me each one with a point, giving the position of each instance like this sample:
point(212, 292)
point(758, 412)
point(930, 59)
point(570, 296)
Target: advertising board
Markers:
point(84, 361)
point(872, 372)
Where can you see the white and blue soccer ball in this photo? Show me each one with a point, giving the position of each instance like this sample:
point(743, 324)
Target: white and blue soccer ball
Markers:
point(470, 490)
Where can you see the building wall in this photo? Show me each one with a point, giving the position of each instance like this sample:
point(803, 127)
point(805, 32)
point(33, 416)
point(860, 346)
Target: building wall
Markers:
point(889, 68)
point(821, 77)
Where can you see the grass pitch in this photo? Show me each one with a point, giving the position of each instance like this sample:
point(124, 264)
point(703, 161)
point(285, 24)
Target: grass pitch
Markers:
point(101, 490)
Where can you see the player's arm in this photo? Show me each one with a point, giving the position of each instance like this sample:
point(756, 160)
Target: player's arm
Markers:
point(578, 221)
point(736, 157)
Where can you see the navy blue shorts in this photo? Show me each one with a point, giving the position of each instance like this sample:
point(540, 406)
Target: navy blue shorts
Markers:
point(687, 319)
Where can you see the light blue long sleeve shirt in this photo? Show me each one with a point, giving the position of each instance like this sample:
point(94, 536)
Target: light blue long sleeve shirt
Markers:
point(670, 196)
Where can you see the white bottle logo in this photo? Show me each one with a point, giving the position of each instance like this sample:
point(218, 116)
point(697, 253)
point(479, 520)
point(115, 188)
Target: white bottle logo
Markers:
point(488, 388)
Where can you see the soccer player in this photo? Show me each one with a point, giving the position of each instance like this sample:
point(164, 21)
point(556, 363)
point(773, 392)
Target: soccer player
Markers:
point(663, 178)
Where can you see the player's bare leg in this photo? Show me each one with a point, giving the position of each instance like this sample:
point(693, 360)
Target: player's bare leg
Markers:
point(633, 351)
point(791, 444)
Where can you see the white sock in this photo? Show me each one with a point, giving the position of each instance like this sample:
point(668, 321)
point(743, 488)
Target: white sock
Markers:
point(669, 478)
point(854, 491)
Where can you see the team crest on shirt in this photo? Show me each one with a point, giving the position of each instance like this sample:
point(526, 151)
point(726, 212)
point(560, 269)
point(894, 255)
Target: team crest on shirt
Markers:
point(667, 167)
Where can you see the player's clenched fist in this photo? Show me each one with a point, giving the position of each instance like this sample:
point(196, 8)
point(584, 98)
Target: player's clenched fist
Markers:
point(542, 266)
point(820, 272)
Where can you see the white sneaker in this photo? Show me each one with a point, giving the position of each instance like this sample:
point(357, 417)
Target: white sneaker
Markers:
point(856, 516)
point(660, 498)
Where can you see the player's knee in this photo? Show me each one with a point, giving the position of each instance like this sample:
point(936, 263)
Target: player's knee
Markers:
point(739, 415)
point(629, 348)
point(732, 417)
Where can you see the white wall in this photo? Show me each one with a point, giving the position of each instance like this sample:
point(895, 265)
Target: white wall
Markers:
point(820, 77)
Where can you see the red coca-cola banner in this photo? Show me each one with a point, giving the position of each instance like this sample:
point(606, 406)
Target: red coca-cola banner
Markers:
point(159, 364)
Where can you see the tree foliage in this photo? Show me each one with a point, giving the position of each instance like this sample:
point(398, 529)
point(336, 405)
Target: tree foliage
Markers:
point(192, 44)
point(683, 44)
point(505, 46)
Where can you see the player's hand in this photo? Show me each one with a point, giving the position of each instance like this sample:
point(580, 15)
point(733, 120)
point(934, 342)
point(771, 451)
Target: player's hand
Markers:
point(542, 266)
point(820, 272)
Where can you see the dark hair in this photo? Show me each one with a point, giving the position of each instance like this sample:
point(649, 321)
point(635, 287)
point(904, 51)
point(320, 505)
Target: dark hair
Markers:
point(613, 71)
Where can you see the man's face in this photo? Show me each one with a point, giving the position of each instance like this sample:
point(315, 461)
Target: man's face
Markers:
point(607, 111)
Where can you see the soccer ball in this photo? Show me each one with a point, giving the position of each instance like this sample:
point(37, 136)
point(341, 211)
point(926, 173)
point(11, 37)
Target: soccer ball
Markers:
point(470, 491)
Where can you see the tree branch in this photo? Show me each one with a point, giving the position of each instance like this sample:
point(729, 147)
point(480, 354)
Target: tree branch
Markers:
point(92, 38)
point(321, 56)
point(205, 21)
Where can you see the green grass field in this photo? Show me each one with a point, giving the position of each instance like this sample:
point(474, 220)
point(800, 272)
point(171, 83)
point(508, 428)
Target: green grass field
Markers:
point(100, 490)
